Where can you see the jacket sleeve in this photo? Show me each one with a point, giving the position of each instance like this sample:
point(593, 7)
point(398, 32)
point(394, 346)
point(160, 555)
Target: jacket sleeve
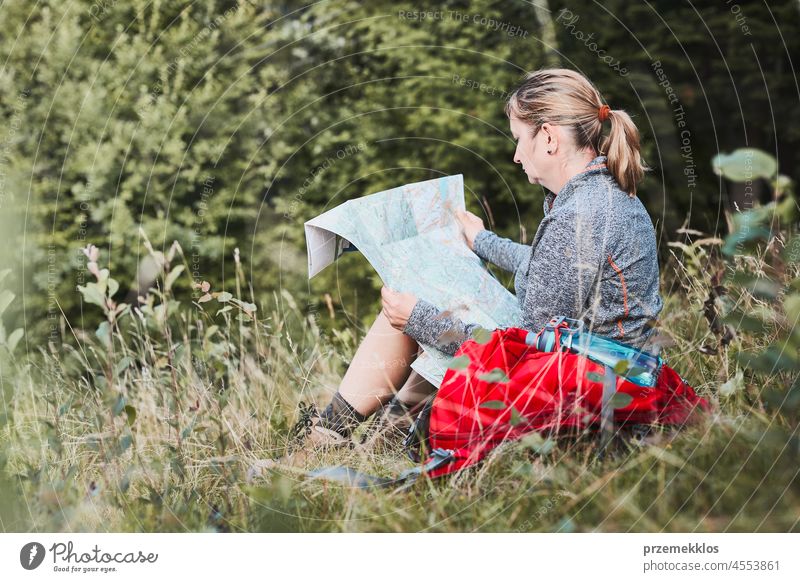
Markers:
point(566, 268)
point(431, 326)
point(503, 252)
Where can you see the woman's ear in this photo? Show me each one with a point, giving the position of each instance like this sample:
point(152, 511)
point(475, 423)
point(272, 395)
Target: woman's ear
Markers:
point(550, 134)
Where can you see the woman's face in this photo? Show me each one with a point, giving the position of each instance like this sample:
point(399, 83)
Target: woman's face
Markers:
point(531, 152)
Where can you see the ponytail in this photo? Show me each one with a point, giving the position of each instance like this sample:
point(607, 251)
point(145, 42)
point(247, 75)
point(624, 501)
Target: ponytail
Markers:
point(621, 146)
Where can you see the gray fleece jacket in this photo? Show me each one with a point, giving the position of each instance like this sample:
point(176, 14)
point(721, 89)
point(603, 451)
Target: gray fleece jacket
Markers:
point(593, 258)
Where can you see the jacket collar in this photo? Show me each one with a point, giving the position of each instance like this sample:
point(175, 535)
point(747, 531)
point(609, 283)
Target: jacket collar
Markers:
point(593, 168)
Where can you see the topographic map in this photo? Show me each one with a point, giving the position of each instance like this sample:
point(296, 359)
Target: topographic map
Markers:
point(411, 237)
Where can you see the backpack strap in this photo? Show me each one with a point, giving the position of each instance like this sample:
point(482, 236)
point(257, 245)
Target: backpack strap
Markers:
point(404, 480)
point(606, 410)
point(416, 440)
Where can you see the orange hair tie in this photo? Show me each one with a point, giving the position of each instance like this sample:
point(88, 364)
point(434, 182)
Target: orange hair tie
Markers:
point(603, 112)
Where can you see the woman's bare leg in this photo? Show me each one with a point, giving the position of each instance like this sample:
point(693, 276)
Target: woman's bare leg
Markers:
point(415, 390)
point(380, 367)
point(399, 413)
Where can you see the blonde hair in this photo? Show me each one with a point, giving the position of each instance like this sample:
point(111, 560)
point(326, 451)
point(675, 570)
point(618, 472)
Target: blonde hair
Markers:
point(566, 98)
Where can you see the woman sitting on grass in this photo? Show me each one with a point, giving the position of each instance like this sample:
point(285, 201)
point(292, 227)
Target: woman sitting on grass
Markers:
point(593, 256)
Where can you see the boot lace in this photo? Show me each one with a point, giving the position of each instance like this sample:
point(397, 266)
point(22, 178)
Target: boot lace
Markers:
point(302, 427)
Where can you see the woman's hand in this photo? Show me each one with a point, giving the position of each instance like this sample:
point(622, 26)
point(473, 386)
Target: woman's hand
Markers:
point(397, 307)
point(471, 225)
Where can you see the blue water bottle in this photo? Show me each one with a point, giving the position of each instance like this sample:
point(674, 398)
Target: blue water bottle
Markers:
point(642, 367)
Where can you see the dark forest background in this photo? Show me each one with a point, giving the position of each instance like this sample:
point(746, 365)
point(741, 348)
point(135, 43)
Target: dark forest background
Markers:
point(226, 125)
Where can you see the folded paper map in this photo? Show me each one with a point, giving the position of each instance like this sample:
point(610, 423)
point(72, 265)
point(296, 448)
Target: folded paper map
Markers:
point(411, 237)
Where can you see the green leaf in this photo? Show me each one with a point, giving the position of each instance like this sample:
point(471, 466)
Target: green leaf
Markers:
point(131, 412)
point(734, 385)
point(620, 400)
point(210, 332)
point(122, 365)
point(493, 405)
point(6, 297)
point(481, 335)
point(92, 294)
point(113, 287)
point(180, 354)
point(225, 309)
point(745, 164)
point(496, 375)
point(459, 363)
point(791, 306)
point(261, 495)
point(125, 442)
point(621, 367)
point(516, 417)
point(747, 226)
point(786, 210)
point(14, 338)
point(783, 183)
point(773, 359)
point(103, 333)
point(173, 276)
point(594, 377)
point(224, 296)
point(763, 288)
point(538, 443)
point(119, 406)
point(743, 322)
point(791, 252)
point(178, 466)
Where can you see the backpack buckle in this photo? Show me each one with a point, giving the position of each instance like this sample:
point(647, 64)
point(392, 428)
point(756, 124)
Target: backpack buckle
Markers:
point(439, 457)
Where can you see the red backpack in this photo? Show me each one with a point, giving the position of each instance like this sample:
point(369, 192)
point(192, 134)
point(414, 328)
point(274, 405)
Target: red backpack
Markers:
point(510, 389)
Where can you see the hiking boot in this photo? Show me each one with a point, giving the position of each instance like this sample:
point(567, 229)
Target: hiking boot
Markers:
point(314, 433)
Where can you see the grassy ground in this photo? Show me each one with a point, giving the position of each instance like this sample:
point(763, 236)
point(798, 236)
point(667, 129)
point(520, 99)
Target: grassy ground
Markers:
point(152, 423)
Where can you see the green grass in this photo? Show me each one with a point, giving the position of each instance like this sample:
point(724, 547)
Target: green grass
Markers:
point(153, 425)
